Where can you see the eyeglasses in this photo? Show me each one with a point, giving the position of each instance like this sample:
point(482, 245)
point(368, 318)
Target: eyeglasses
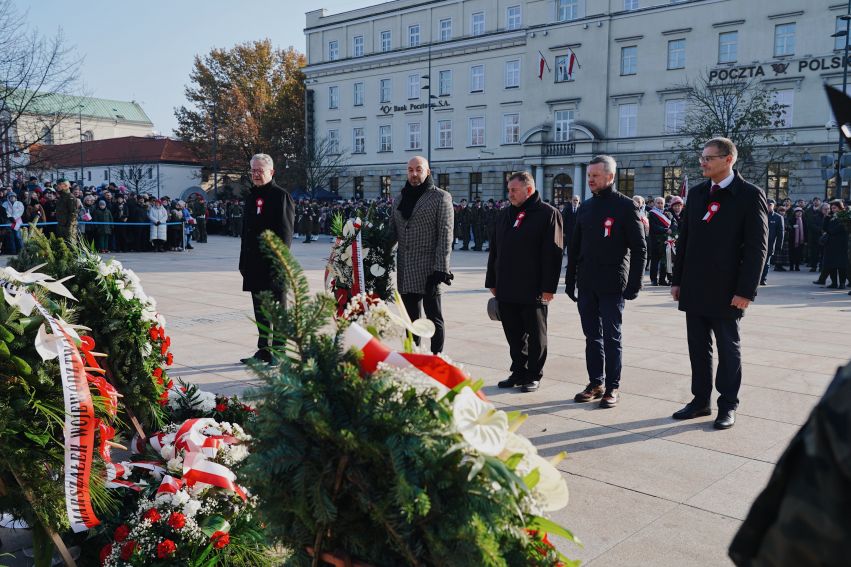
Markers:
point(260, 171)
point(705, 159)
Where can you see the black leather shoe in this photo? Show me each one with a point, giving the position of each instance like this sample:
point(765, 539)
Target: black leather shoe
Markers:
point(530, 386)
point(692, 411)
point(510, 382)
point(726, 419)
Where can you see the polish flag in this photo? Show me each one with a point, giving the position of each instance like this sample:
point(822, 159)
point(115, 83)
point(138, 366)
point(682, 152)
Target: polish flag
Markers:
point(684, 186)
point(572, 61)
point(542, 64)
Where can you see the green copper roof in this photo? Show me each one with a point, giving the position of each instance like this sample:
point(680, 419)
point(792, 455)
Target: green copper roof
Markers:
point(92, 107)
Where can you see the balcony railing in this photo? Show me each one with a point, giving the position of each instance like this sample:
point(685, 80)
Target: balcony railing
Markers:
point(559, 149)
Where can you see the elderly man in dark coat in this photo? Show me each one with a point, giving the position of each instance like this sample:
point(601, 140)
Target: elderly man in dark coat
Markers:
point(269, 207)
point(524, 264)
point(422, 224)
point(721, 253)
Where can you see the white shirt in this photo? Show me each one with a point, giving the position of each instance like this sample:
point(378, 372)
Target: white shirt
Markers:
point(726, 181)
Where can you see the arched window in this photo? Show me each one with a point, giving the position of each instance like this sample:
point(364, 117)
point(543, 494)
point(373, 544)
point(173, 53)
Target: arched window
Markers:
point(47, 135)
point(562, 190)
point(88, 136)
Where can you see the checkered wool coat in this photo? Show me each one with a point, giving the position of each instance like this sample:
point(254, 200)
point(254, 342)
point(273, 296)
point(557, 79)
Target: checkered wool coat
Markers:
point(425, 239)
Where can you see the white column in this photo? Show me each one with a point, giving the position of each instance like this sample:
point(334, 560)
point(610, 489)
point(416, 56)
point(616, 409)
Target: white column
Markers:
point(579, 181)
point(539, 180)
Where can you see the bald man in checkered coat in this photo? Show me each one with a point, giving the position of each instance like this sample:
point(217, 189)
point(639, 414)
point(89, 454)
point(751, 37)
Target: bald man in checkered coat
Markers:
point(422, 224)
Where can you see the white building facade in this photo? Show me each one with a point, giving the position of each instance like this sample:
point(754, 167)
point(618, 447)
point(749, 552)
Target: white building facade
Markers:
point(369, 73)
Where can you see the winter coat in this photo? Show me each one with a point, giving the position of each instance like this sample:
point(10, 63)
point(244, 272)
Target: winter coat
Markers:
point(67, 207)
point(836, 247)
point(158, 214)
point(102, 215)
point(776, 233)
point(268, 207)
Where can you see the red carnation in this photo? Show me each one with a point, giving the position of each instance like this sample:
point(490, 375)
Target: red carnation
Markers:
point(162, 333)
point(221, 407)
point(167, 342)
point(153, 515)
point(163, 398)
point(105, 552)
point(169, 359)
point(165, 548)
point(219, 540)
point(128, 549)
point(246, 407)
point(158, 372)
point(170, 385)
point(177, 520)
point(121, 533)
point(154, 333)
point(163, 349)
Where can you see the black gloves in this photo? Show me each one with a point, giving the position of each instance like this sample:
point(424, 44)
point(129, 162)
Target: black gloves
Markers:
point(570, 289)
point(630, 293)
point(440, 278)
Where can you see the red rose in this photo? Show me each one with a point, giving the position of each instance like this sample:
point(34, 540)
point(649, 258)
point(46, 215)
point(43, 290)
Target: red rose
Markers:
point(219, 540)
point(176, 520)
point(162, 333)
point(167, 342)
point(158, 372)
point(153, 515)
point(105, 552)
point(164, 398)
point(121, 533)
point(127, 550)
point(163, 349)
point(170, 385)
point(154, 333)
point(221, 407)
point(165, 548)
point(169, 360)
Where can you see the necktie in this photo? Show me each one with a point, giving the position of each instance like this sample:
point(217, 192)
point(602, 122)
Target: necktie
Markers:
point(714, 188)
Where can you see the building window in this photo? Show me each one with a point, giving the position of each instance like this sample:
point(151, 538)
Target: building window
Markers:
point(357, 46)
point(413, 87)
point(477, 78)
point(784, 39)
point(415, 138)
point(677, 54)
point(105, 175)
point(475, 185)
point(386, 183)
point(443, 181)
point(386, 43)
point(414, 35)
point(385, 139)
point(777, 181)
point(47, 136)
point(358, 94)
point(333, 141)
point(358, 141)
point(675, 115)
point(564, 72)
point(630, 4)
point(783, 98)
point(841, 26)
point(567, 10)
point(333, 50)
point(563, 118)
point(444, 83)
point(444, 133)
point(334, 97)
point(150, 173)
point(446, 29)
point(88, 136)
point(512, 17)
point(626, 181)
point(627, 118)
point(477, 131)
point(512, 74)
point(671, 180)
point(562, 190)
point(511, 129)
point(357, 187)
point(334, 185)
point(728, 47)
point(385, 88)
point(629, 60)
point(477, 23)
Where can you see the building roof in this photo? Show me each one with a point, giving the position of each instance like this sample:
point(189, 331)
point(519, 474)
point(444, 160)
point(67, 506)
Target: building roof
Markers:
point(116, 151)
point(123, 111)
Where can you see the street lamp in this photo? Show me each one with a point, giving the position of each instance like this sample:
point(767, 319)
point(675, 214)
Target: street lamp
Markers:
point(842, 33)
point(80, 111)
point(427, 88)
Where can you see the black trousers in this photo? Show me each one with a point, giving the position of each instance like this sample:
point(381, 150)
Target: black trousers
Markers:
point(414, 305)
point(525, 328)
point(728, 378)
point(602, 316)
point(657, 259)
point(264, 338)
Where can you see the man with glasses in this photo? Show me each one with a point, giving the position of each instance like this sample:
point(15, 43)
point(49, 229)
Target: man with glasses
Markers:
point(721, 252)
point(269, 207)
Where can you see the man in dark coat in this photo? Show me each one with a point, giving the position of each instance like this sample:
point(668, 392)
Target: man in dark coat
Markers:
point(814, 221)
point(606, 263)
point(776, 232)
point(568, 215)
point(465, 215)
point(268, 207)
point(660, 230)
point(721, 253)
point(524, 264)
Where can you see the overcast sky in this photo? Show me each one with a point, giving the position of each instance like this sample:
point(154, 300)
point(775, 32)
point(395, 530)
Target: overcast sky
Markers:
point(143, 49)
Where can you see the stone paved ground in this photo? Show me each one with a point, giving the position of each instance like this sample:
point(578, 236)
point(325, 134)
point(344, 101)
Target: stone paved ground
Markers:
point(645, 489)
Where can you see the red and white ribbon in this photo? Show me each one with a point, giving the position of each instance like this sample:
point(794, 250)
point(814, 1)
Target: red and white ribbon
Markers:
point(519, 220)
point(660, 216)
point(440, 373)
point(170, 485)
point(607, 227)
point(713, 208)
point(358, 278)
point(198, 470)
point(670, 251)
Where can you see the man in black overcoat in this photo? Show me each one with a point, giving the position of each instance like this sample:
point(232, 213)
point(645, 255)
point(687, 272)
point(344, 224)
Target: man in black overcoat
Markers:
point(568, 215)
point(606, 264)
point(776, 232)
point(268, 207)
point(524, 264)
point(721, 253)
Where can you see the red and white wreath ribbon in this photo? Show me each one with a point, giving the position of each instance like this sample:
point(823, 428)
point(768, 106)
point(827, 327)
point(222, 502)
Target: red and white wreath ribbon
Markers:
point(713, 208)
point(198, 470)
point(358, 278)
point(660, 216)
point(442, 375)
point(670, 251)
point(607, 226)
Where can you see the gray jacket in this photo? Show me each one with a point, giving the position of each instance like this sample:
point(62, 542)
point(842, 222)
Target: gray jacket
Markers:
point(425, 240)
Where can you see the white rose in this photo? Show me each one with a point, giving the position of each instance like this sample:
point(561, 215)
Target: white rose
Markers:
point(191, 508)
point(175, 465)
point(238, 453)
point(168, 452)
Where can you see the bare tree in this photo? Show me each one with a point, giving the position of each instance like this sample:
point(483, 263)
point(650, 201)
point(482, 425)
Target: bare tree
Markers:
point(36, 74)
point(323, 162)
point(137, 177)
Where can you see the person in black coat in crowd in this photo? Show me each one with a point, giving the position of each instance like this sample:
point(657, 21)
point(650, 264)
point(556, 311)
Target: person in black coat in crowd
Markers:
point(797, 237)
point(524, 264)
point(720, 257)
point(835, 247)
point(660, 231)
point(776, 232)
point(268, 207)
point(568, 215)
point(606, 264)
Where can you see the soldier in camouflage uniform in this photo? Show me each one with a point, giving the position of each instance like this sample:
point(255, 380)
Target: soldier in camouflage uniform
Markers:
point(237, 213)
point(67, 207)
